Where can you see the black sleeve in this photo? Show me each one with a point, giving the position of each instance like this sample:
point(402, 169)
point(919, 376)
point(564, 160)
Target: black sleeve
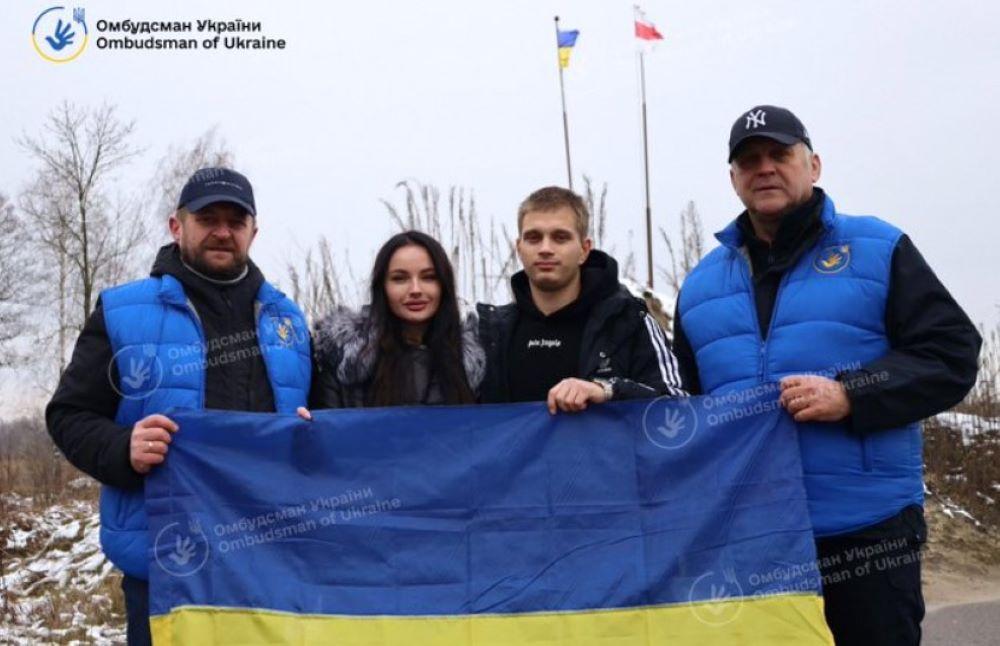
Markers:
point(80, 416)
point(653, 369)
point(934, 353)
point(685, 356)
point(326, 391)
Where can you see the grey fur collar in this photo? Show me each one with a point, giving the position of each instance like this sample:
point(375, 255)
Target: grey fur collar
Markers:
point(347, 336)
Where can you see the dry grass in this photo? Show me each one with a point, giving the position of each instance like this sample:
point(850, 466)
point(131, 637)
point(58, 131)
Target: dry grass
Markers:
point(30, 465)
point(968, 473)
point(962, 467)
point(69, 612)
point(984, 400)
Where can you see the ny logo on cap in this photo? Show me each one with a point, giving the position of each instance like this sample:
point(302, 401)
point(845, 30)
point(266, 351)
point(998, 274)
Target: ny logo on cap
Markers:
point(755, 118)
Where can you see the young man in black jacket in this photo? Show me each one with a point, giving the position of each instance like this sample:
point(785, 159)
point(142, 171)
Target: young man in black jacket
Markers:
point(865, 341)
point(573, 336)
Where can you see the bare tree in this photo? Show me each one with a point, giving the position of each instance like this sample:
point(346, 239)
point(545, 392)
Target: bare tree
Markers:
point(48, 209)
point(172, 172)
point(483, 254)
point(179, 163)
point(692, 248)
point(317, 285)
point(983, 400)
point(79, 152)
point(16, 281)
point(597, 206)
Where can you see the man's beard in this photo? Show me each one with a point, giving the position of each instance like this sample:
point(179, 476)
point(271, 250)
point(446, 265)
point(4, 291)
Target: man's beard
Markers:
point(197, 262)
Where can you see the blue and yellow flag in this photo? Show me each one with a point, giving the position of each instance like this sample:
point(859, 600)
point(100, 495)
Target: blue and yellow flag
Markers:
point(566, 40)
point(663, 522)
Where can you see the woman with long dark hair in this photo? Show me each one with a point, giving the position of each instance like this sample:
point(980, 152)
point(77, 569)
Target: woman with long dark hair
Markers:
point(409, 345)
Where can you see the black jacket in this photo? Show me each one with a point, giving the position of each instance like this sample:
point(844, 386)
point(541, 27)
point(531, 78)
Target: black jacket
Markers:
point(345, 357)
point(935, 347)
point(621, 342)
point(80, 416)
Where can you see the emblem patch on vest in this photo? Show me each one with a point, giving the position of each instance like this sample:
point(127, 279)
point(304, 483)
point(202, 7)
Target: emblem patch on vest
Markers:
point(833, 259)
point(284, 327)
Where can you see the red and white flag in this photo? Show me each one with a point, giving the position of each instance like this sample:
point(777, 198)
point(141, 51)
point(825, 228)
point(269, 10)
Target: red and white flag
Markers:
point(644, 28)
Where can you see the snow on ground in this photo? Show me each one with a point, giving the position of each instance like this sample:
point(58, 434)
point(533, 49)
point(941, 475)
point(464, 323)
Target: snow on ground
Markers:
point(56, 584)
point(968, 425)
point(949, 507)
point(951, 510)
point(639, 291)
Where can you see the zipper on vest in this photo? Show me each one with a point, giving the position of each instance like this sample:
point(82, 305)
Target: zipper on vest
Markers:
point(762, 373)
point(279, 399)
point(866, 452)
point(204, 347)
point(770, 322)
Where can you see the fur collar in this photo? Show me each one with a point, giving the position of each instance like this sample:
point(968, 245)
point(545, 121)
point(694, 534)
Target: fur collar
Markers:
point(348, 337)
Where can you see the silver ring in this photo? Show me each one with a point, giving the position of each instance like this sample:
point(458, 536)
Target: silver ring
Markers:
point(149, 445)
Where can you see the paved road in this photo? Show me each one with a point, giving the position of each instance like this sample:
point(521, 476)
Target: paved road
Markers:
point(975, 624)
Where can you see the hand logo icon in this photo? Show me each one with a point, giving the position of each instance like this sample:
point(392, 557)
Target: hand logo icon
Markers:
point(673, 423)
point(64, 36)
point(716, 597)
point(184, 550)
point(138, 373)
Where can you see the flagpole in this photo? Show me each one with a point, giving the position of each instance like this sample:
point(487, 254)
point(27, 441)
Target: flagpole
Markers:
point(645, 158)
point(562, 93)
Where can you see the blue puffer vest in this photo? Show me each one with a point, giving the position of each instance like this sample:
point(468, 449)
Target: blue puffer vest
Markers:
point(159, 350)
point(829, 316)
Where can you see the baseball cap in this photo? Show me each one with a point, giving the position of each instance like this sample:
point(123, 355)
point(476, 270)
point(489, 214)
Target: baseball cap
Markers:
point(210, 185)
point(768, 121)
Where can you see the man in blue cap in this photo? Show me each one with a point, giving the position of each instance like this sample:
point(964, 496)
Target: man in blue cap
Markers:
point(844, 313)
point(205, 330)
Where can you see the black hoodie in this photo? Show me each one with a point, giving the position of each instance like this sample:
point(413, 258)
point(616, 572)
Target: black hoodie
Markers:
point(544, 350)
point(606, 333)
point(80, 416)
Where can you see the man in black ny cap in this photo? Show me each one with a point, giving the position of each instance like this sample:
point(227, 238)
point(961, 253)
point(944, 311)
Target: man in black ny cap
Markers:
point(205, 330)
point(843, 316)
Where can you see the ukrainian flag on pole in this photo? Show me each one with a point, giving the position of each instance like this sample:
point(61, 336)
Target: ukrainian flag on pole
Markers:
point(566, 42)
point(678, 521)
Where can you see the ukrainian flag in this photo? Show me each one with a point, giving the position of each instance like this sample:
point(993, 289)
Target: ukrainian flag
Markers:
point(566, 41)
point(664, 522)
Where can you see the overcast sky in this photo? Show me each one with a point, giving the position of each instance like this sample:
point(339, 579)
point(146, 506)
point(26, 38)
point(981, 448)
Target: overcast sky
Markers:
point(902, 100)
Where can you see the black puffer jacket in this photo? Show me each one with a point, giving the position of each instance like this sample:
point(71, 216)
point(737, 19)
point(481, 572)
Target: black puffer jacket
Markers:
point(345, 358)
point(621, 342)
